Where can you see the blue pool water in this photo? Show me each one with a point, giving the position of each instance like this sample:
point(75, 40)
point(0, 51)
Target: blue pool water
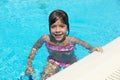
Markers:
point(22, 22)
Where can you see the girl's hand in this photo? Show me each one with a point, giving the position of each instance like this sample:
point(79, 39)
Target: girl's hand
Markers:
point(29, 70)
point(98, 49)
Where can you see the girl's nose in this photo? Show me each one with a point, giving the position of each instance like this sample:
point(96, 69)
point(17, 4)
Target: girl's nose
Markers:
point(57, 29)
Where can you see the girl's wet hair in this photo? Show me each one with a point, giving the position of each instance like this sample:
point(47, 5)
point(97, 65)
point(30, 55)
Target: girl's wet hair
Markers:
point(59, 14)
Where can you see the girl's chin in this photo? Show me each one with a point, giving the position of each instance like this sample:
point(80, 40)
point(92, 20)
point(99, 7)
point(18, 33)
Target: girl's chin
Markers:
point(58, 39)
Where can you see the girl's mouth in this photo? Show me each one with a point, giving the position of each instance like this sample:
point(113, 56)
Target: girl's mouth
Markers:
point(58, 36)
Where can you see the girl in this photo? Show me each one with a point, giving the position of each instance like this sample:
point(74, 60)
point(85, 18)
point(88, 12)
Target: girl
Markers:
point(60, 46)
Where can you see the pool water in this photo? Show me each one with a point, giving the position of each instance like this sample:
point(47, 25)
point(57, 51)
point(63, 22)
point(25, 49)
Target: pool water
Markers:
point(22, 22)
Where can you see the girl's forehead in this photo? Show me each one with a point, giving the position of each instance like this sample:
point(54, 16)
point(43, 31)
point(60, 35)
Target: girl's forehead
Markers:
point(59, 21)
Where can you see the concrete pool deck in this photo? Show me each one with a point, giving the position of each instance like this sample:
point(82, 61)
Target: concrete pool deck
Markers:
point(96, 66)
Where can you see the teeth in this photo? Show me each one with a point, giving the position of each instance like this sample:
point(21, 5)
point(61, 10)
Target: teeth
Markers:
point(57, 34)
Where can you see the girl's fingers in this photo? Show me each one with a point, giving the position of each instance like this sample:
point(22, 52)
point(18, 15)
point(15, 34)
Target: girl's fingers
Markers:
point(99, 49)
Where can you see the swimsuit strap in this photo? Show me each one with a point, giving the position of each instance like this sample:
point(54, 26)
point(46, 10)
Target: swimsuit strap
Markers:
point(60, 48)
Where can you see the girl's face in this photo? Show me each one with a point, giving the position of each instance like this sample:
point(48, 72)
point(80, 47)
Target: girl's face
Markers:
point(58, 30)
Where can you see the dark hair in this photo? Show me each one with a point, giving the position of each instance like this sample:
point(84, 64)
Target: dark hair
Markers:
point(59, 14)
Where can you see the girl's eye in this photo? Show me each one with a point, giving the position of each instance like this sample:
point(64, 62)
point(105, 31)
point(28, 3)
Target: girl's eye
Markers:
point(62, 26)
point(53, 26)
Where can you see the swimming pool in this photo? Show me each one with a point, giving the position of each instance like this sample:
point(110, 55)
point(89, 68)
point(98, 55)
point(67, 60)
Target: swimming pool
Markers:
point(22, 22)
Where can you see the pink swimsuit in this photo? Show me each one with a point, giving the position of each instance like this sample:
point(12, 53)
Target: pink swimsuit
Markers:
point(59, 48)
point(59, 63)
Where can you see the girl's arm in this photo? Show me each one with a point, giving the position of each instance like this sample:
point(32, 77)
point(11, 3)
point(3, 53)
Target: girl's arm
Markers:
point(31, 57)
point(37, 45)
point(83, 43)
point(88, 46)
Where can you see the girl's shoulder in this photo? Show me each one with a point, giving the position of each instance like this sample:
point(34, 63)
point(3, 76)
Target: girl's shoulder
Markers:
point(73, 39)
point(45, 37)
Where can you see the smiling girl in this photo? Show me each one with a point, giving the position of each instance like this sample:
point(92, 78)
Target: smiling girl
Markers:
point(60, 46)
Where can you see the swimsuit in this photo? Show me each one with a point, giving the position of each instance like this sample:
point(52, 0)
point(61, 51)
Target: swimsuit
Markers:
point(60, 48)
point(54, 65)
point(59, 63)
